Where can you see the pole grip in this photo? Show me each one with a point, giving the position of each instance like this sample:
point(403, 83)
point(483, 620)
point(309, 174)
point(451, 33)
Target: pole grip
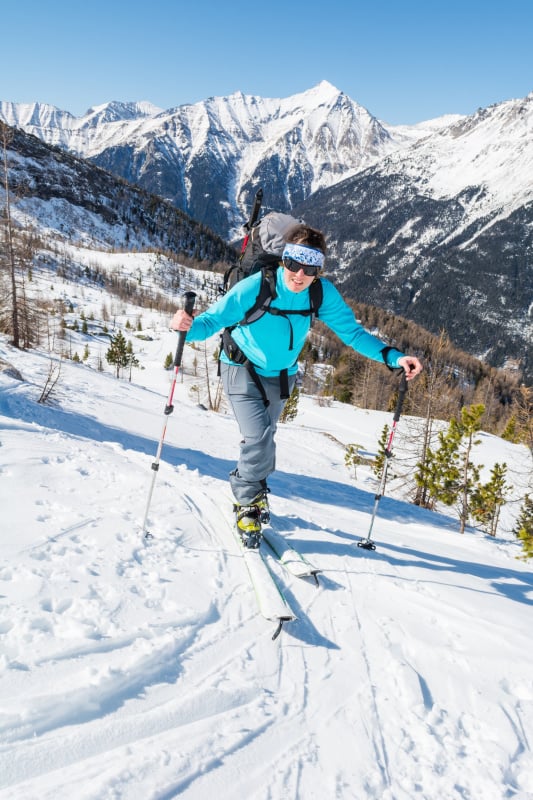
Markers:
point(402, 391)
point(190, 297)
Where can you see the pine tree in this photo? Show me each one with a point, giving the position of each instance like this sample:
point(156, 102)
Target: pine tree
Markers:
point(379, 461)
point(524, 415)
point(290, 409)
point(524, 528)
point(117, 353)
point(487, 499)
point(448, 474)
point(510, 433)
point(133, 361)
point(439, 474)
point(430, 398)
point(353, 457)
point(468, 426)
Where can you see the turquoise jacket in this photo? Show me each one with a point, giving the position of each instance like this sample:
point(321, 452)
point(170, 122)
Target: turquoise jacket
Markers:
point(266, 342)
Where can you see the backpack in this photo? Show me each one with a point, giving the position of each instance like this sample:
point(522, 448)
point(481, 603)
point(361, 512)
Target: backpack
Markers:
point(261, 251)
point(262, 247)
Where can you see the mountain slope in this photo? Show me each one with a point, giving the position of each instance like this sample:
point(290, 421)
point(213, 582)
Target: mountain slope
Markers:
point(146, 671)
point(442, 232)
point(65, 197)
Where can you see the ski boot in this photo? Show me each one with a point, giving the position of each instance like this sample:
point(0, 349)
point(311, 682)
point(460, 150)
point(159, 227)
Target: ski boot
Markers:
point(248, 522)
point(261, 501)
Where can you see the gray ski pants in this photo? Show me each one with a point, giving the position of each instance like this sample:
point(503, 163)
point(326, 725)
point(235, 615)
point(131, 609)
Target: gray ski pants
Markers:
point(257, 424)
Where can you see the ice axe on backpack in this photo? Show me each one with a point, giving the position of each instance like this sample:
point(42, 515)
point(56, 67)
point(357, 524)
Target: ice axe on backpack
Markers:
point(368, 544)
point(236, 272)
point(256, 208)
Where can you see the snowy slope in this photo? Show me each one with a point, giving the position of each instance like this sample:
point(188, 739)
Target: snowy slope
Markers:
point(135, 672)
point(491, 151)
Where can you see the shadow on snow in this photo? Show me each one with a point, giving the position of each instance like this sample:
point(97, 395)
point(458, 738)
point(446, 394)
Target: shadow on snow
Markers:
point(288, 486)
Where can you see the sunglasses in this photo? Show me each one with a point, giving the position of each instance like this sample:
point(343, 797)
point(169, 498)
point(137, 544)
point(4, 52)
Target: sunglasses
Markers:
point(296, 266)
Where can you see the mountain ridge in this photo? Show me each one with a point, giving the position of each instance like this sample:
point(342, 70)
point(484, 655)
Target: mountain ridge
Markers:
point(314, 138)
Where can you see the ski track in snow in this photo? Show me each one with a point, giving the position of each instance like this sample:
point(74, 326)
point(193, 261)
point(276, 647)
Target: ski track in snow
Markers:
point(136, 670)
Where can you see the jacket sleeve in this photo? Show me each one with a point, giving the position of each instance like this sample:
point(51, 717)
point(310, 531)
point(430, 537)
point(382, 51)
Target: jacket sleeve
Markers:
point(228, 310)
point(338, 316)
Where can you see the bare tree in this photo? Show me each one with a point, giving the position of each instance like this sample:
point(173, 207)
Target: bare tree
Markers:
point(52, 378)
point(20, 317)
point(430, 401)
point(5, 137)
point(214, 398)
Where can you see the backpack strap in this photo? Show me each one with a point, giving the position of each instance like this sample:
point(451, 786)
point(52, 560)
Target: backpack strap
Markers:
point(267, 292)
point(232, 275)
point(316, 294)
point(284, 384)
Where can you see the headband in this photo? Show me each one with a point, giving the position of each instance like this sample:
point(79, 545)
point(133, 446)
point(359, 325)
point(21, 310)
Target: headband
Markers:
point(304, 254)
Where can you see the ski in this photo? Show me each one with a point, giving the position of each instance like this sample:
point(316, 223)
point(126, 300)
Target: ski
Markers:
point(293, 561)
point(271, 602)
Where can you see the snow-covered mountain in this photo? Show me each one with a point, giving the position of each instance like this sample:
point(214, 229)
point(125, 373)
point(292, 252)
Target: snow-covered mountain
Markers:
point(492, 151)
point(209, 158)
point(442, 232)
point(66, 198)
point(63, 129)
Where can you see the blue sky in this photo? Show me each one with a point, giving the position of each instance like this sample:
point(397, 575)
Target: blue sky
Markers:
point(405, 61)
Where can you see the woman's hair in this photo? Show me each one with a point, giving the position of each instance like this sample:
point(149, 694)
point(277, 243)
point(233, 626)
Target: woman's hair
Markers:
point(304, 234)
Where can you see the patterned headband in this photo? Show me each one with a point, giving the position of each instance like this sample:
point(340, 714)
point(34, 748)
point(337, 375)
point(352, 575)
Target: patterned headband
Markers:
point(304, 254)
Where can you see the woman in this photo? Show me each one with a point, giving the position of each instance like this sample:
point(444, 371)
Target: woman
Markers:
point(258, 389)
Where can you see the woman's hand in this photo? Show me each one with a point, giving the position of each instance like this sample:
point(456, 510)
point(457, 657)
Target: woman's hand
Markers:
point(411, 366)
point(181, 321)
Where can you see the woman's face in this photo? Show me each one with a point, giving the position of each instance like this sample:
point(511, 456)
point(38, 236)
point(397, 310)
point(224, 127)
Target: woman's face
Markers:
point(297, 281)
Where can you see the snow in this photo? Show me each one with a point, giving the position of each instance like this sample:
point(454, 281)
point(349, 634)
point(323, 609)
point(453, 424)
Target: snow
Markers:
point(134, 671)
point(492, 150)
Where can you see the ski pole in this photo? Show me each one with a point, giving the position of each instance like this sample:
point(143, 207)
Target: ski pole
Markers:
point(367, 543)
point(190, 297)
